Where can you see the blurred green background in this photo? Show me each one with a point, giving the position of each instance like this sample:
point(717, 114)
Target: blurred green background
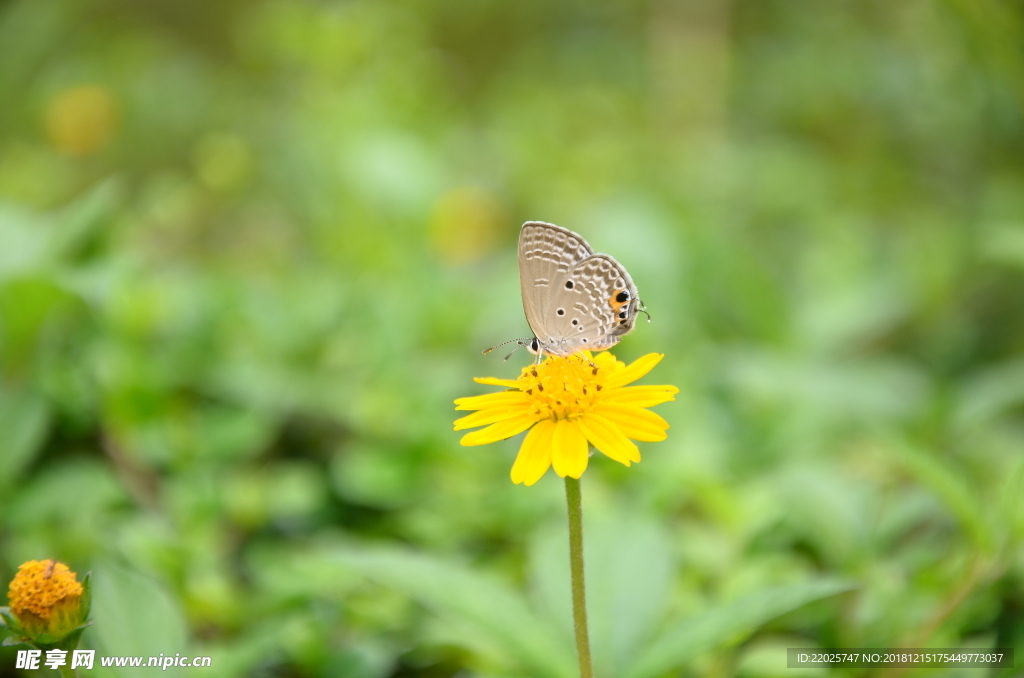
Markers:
point(250, 252)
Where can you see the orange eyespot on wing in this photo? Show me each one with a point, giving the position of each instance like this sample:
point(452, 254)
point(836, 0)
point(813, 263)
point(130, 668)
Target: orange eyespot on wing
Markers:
point(619, 302)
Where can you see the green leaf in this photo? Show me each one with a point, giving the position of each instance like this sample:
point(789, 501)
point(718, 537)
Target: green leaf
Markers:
point(23, 241)
point(629, 570)
point(86, 598)
point(24, 419)
point(1011, 503)
point(952, 489)
point(134, 616)
point(29, 307)
point(727, 624)
point(827, 509)
point(45, 639)
point(855, 389)
point(70, 641)
point(989, 394)
point(10, 622)
point(80, 221)
point(491, 614)
point(242, 655)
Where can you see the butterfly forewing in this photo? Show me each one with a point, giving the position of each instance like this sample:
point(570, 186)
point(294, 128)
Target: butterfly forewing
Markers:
point(546, 255)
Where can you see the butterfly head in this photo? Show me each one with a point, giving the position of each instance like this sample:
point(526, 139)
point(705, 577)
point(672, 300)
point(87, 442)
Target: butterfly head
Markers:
point(532, 345)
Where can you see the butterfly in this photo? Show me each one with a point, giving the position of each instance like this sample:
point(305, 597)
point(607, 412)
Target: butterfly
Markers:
point(575, 300)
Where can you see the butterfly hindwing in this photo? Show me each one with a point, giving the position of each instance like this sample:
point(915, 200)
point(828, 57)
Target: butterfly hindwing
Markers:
point(604, 301)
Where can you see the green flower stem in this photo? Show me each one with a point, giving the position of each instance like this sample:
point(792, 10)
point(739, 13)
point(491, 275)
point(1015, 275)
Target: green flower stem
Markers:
point(67, 672)
point(579, 590)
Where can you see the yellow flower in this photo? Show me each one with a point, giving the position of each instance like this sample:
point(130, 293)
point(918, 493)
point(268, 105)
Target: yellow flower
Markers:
point(569, 402)
point(46, 598)
point(41, 584)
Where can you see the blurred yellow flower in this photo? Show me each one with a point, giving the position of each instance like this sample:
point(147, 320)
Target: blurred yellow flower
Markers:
point(569, 402)
point(465, 225)
point(82, 120)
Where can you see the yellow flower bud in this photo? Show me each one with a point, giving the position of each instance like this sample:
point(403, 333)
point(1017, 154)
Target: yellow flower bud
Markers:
point(46, 600)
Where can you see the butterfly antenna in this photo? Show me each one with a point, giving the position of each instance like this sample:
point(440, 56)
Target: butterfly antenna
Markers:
point(643, 309)
point(504, 343)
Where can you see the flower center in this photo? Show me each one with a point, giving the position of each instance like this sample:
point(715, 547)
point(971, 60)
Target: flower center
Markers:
point(39, 585)
point(563, 388)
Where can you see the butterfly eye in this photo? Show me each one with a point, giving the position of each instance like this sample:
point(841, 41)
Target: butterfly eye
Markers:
point(535, 345)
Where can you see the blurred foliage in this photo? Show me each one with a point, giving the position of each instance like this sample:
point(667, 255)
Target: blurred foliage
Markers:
point(250, 251)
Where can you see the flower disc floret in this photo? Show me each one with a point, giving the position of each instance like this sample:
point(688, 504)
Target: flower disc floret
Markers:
point(40, 585)
point(558, 389)
point(568, 404)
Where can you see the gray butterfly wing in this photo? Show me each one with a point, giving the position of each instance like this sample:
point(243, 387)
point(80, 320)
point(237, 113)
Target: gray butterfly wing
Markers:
point(600, 303)
point(546, 255)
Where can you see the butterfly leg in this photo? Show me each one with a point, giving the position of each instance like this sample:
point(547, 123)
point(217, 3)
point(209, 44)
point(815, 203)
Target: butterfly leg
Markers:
point(584, 356)
point(512, 352)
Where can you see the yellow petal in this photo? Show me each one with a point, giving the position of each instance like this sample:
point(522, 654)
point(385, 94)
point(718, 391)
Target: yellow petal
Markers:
point(569, 452)
point(482, 402)
point(508, 383)
point(641, 396)
point(606, 437)
point(491, 415)
point(534, 456)
point(634, 422)
point(605, 360)
point(499, 431)
point(637, 369)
